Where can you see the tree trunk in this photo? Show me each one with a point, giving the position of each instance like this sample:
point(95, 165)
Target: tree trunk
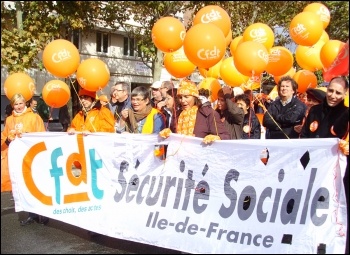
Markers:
point(19, 14)
point(158, 65)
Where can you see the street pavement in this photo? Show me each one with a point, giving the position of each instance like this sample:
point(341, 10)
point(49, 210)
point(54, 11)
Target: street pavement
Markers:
point(60, 238)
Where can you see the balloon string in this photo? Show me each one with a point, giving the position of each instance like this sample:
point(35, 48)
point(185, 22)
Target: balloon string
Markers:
point(266, 111)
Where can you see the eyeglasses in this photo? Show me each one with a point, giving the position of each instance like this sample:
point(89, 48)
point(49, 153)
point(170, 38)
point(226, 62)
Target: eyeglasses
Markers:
point(84, 97)
point(137, 100)
point(155, 89)
point(119, 90)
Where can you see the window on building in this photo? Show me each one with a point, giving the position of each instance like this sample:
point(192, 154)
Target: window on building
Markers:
point(129, 46)
point(76, 38)
point(102, 42)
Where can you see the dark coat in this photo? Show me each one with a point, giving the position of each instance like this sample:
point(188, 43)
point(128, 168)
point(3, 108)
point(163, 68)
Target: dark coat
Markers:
point(234, 117)
point(286, 117)
point(325, 117)
point(252, 121)
point(208, 123)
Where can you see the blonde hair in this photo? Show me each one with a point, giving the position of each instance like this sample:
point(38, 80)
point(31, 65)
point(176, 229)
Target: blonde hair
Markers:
point(15, 98)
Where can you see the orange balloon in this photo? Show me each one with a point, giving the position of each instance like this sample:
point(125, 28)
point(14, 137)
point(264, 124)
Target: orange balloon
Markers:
point(230, 75)
point(204, 45)
point(251, 58)
point(19, 83)
point(290, 73)
point(330, 51)
point(168, 34)
point(305, 79)
point(308, 58)
point(228, 38)
point(213, 85)
point(280, 61)
point(177, 64)
point(213, 71)
point(93, 74)
point(61, 58)
point(235, 42)
point(56, 93)
point(306, 28)
point(216, 15)
point(261, 33)
point(321, 11)
point(324, 37)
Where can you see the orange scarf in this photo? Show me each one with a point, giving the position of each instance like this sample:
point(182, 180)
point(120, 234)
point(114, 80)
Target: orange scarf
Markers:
point(186, 121)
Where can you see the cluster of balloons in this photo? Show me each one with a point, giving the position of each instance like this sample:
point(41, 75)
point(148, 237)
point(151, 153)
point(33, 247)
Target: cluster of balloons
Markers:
point(204, 45)
point(61, 58)
point(315, 51)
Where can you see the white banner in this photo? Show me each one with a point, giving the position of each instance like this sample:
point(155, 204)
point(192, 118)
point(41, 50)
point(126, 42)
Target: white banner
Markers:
point(218, 198)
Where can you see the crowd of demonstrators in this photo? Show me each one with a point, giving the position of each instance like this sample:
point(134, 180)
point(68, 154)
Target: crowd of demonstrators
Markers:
point(163, 109)
point(285, 112)
point(142, 117)
point(120, 102)
point(93, 117)
point(313, 97)
point(196, 119)
point(22, 120)
point(251, 126)
point(230, 113)
point(44, 111)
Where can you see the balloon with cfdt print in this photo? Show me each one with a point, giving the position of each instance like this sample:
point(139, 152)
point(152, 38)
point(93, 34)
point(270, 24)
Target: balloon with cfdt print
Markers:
point(93, 74)
point(61, 58)
point(216, 15)
point(306, 28)
point(56, 93)
point(204, 45)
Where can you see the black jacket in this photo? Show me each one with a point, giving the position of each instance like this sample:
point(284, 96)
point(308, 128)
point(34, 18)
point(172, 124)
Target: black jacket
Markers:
point(285, 116)
point(321, 118)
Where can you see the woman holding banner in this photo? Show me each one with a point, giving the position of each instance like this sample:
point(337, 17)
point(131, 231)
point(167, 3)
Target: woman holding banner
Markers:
point(195, 120)
point(22, 120)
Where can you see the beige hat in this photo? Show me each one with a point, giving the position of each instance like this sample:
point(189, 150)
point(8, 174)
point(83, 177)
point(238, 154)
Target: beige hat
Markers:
point(156, 85)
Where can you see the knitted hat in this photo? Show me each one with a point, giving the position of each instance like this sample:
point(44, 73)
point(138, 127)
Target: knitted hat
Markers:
point(188, 88)
point(84, 92)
